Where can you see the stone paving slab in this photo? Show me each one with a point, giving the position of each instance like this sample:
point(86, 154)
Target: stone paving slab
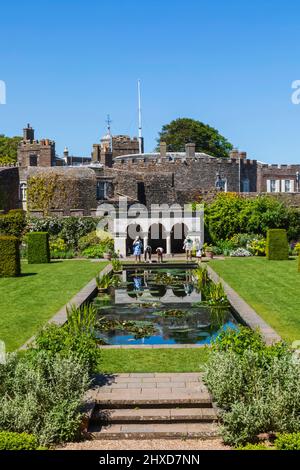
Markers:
point(152, 431)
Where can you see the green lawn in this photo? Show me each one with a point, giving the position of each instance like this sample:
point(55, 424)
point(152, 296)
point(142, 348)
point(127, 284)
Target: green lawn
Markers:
point(272, 288)
point(152, 360)
point(28, 301)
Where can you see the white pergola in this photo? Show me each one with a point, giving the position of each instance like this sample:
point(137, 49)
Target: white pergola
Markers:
point(169, 218)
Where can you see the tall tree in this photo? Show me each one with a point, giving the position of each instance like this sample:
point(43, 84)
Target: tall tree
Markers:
point(8, 149)
point(182, 131)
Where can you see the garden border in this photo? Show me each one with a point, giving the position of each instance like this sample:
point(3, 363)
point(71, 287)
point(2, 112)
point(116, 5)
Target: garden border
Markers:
point(85, 294)
point(248, 315)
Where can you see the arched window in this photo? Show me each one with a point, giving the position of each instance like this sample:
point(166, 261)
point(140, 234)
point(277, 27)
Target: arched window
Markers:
point(23, 192)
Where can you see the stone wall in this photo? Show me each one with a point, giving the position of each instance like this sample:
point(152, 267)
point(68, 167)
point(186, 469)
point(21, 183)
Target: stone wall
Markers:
point(9, 189)
point(74, 189)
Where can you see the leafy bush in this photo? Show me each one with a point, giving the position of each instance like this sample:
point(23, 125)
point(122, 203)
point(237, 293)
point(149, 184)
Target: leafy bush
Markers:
point(224, 247)
point(38, 251)
point(59, 249)
point(117, 265)
point(231, 213)
point(257, 387)
point(96, 237)
point(80, 341)
point(17, 441)
point(297, 248)
point(70, 229)
point(238, 341)
point(257, 246)
point(240, 253)
point(253, 447)
point(277, 245)
point(288, 441)
point(42, 394)
point(242, 240)
point(9, 256)
point(96, 251)
point(13, 223)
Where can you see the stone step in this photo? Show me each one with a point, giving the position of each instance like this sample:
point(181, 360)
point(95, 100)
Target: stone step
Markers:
point(154, 415)
point(152, 398)
point(155, 431)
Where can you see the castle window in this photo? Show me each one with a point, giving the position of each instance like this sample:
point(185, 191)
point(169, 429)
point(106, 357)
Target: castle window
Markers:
point(272, 186)
point(101, 190)
point(23, 192)
point(246, 185)
point(287, 186)
point(32, 160)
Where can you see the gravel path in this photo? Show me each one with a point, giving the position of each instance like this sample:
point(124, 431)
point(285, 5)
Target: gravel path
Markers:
point(153, 444)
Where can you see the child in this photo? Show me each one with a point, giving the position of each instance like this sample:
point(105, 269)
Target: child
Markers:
point(160, 252)
point(148, 254)
point(188, 246)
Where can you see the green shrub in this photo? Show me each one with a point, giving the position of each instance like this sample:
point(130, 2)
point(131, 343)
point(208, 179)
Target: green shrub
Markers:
point(70, 229)
point(42, 394)
point(238, 341)
point(253, 447)
point(91, 239)
point(96, 251)
point(38, 251)
point(74, 337)
point(59, 249)
point(288, 441)
point(9, 256)
point(277, 245)
point(13, 223)
point(299, 263)
point(17, 441)
point(258, 390)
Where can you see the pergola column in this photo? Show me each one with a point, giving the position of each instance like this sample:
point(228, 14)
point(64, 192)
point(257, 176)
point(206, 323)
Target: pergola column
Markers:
point(168, 239)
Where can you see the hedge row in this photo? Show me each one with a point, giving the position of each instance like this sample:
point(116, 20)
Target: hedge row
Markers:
point(277, 245)
point(38, 248)
point(9, 256)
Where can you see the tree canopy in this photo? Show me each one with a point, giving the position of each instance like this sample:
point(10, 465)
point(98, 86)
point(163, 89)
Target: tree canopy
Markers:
point(182, 131)
point(8, 149)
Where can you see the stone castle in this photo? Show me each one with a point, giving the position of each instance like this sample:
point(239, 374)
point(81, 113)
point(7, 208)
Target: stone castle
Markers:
point(116, 168)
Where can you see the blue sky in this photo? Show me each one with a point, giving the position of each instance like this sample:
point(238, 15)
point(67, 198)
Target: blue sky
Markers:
point(68, 63)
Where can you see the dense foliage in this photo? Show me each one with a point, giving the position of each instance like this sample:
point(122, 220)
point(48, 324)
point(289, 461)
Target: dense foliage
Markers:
point(17, 441)
point(183, 131)
point(230, 214)
point(69, 229)
point(41, 394)
point(288, 441)
point(38, 251)
point(9, 256)
point(256, 386)
point(13, 223)
point(8, 149)
point(77, 336)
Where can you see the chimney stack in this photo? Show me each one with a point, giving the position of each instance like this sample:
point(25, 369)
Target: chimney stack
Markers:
point(163, 150)
point(190, 150)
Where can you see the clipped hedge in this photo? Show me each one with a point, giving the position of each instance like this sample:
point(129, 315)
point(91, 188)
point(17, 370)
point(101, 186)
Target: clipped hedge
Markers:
point(13, 223)
point(38, 251)
point(9, 256)
point(17, 441)
point(277, 245)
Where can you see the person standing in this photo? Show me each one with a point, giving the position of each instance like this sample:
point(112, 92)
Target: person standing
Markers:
point(148, 254)
point(137, 249)
point(160, 252)
point(188, 246)
point(198, 250)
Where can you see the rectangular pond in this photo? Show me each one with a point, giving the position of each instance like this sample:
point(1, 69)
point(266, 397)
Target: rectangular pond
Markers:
point(162, 306)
